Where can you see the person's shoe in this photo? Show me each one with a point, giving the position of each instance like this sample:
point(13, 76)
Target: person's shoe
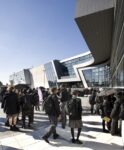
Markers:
point(79, 142)
point(7, 124)
point(23, 126)
point(45, 139)
point(11, 128)
point(55, 136)
point(73, 140)
point(15, 128)
point(105, 131)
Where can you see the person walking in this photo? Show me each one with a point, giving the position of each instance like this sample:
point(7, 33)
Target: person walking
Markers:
point(75, 116)
point(64, 98)
point(52, 109)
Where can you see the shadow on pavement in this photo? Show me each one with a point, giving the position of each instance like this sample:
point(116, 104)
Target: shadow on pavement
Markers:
point(3, 128)
point(86, 144)
point(101, 146)
point(9, 148)
point(92, 122)
point(86, 129)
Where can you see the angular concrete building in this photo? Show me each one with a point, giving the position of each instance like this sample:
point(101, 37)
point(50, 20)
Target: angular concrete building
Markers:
point(101, 23)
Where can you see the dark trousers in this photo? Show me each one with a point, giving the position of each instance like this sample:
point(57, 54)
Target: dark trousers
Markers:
point(53, 124)
point(30, 117)
point(92, 109)
point(114, 127)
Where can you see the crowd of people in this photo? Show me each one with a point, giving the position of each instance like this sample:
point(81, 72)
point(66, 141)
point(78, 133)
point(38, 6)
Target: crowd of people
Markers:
point(111, 108)
point(16, 102)
point(57, 104)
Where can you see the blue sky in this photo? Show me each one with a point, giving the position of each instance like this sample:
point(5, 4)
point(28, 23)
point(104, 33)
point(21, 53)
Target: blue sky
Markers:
point(33, 32)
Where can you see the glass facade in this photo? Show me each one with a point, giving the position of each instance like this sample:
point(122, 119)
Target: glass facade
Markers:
point(64, 70)
point(97, 76)
point(50, 73)
point(69, 65)
point(117, 57)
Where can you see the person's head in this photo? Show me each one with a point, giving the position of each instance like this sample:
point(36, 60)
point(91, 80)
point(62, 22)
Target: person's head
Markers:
point(24, 91)
point(75, 92)
point(62, 87)
point(29, 91)
point(120, 94)
point(54, 90)
point(10, 89)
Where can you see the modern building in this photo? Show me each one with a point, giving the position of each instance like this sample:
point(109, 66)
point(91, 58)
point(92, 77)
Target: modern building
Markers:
point(77, 71)
point(101, 23)
point(38, 77)
point(34, 77)
point(21, 77)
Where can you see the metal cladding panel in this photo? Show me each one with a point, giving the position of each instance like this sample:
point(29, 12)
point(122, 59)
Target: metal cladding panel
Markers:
point(97, 29)
point(86, 7)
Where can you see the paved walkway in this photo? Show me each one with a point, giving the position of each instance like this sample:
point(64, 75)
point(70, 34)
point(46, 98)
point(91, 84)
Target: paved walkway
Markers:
point(30, 139)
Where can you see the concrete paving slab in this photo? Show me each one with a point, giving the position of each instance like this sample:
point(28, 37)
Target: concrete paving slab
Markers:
point(30, 139)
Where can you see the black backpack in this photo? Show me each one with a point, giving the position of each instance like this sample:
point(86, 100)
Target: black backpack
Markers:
point(48, 105)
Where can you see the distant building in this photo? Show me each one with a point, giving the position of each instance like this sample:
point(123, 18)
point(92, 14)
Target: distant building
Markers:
point(21, 77)
point(38, 77)
point(34, 77)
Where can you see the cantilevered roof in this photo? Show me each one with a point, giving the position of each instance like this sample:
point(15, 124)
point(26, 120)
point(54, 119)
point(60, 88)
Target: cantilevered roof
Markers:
point(95, 21)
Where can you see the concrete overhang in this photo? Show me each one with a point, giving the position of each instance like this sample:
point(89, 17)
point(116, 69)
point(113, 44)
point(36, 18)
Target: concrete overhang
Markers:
point(95, 21)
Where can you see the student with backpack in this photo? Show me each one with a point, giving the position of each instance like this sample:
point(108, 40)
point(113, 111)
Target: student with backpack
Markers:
point(75, 116)
point(52, 109)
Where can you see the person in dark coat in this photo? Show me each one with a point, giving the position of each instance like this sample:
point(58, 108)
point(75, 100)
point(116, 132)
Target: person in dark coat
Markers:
point(75, 116)
point(115, 113)
point(107, 108)
point(121, 117)
point(3, 93)
point(92, 101)
point(3, 105)
point(53, 116)
point(99, 104)
point(11, 108)
point(27, 107)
